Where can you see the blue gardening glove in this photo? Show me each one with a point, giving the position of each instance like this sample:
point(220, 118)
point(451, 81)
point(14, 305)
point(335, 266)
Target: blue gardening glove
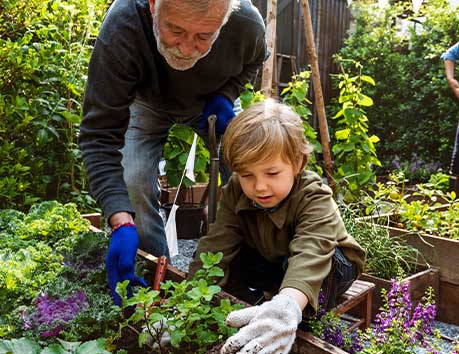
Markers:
point(120, 260)
point(222, 108)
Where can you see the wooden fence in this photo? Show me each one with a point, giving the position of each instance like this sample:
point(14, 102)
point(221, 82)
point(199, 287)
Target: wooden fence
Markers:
point(331, 21)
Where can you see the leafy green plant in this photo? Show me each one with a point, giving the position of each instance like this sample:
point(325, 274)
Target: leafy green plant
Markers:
point(29, 346)
point(295, 95)
point(426, 209)
point(44, 52)
point(185, 311)
point(249, 96)
point(411, 97)
point(176, 151)
point(386, 255)
point(52, 276)
point(355, 152)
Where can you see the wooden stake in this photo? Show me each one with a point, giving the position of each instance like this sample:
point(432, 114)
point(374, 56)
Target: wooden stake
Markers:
point(318, 96)
point(268, 67)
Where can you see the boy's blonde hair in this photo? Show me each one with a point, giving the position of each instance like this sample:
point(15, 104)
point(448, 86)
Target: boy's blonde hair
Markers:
point(261, 132)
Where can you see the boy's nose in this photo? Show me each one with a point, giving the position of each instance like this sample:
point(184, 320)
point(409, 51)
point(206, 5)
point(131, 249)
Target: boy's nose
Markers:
point(260, 185)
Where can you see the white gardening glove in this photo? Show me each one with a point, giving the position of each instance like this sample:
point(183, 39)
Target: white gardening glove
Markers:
point(269, 328)
point(165, 337)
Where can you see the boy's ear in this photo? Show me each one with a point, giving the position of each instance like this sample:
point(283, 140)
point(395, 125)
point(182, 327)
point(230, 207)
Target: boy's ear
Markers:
point(299, 166)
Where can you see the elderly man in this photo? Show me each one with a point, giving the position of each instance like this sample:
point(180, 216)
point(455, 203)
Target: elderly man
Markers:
point(156, 63)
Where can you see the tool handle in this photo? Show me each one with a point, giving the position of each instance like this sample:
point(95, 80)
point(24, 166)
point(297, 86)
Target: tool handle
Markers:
point(160, 273)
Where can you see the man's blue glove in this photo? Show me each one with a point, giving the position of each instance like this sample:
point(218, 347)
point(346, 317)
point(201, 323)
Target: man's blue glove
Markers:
point(222, 108)
point(120, 260)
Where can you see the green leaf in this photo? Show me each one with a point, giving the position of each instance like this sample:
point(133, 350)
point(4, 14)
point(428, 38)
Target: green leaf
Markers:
point(19, 346)
point(343, 134)
point(364, 100)
point(368, 79)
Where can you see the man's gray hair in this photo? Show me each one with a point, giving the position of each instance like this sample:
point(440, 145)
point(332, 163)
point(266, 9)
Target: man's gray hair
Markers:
point(203, 6)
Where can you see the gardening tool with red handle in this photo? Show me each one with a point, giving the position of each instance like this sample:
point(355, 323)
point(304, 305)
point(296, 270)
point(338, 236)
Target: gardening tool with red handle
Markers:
point(160, 272)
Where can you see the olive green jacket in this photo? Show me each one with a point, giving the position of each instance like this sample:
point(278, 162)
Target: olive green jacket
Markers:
point(306, 227)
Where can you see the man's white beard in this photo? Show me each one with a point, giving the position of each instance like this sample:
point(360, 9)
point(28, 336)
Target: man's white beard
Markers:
point(173, 56)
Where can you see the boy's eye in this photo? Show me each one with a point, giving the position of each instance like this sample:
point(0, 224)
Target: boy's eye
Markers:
point(273, 173)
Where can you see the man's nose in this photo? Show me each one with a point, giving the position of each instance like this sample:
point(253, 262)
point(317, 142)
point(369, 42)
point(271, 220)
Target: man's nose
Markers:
point(187, 47)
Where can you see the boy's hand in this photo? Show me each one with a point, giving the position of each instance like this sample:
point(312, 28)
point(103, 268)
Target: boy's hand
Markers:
point(268, 328)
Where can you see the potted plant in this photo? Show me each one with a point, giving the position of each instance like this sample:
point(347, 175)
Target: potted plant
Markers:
point(191, 196)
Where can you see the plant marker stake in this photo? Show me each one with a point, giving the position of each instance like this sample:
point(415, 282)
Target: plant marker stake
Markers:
point(171, 228)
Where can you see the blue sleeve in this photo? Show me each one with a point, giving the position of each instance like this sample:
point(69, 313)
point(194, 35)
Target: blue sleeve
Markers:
point(452, 53)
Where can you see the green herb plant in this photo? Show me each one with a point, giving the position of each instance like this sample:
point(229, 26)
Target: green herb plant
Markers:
point(386, 255)
point(176, 151)
point(354, 150)
point(426, 208)
point(186, 311)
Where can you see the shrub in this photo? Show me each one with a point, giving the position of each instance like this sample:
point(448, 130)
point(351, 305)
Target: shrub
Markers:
point(44, 52)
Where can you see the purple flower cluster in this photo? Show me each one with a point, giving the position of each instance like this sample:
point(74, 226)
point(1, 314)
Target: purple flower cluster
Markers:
point(399, 323)
point(53, 314)
point(333, 331)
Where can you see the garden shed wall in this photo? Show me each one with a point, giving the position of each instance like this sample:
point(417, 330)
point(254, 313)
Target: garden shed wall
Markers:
point(330, 20)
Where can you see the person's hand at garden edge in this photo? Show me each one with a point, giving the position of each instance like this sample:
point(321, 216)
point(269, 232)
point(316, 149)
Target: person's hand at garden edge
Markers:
point(222, 108)
point(268, 328)
point(120, 259)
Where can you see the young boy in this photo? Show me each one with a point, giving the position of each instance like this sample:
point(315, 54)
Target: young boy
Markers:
point(279, 230)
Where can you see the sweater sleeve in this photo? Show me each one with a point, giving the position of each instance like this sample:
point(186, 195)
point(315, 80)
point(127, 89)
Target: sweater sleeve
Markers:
point(235, 85)
point(109, 92)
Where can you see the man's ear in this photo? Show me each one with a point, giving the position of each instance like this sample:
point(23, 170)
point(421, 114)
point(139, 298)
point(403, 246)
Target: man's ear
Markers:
point(152, 6)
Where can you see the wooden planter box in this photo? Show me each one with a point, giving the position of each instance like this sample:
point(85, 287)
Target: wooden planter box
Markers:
point(441, 253)
point(193, 194)
point(418, 284)
point(305, 342)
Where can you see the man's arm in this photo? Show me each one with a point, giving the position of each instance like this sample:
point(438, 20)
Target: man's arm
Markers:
point(450, 57)
point(453, 83)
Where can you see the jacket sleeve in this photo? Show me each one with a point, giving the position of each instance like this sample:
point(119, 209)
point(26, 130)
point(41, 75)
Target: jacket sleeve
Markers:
point(317, 229)
point(109, 92)
point(224, 235)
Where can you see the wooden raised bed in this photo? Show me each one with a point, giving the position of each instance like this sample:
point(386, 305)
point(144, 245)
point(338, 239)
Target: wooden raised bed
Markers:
point(441, 253)
point(418, 284)
point(305, 342)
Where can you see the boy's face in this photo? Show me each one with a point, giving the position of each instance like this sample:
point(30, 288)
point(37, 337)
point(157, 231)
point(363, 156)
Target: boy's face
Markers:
point(268, 182)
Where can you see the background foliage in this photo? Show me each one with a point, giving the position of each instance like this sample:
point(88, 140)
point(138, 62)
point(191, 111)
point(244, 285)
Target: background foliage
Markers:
point(44, 52)
point(414, 112)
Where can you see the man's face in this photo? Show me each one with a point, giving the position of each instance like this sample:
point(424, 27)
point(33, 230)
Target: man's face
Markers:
point(185, 35)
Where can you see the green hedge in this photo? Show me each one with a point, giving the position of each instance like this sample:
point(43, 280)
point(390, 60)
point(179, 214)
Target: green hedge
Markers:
point(414, 112)
point(44, 52)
